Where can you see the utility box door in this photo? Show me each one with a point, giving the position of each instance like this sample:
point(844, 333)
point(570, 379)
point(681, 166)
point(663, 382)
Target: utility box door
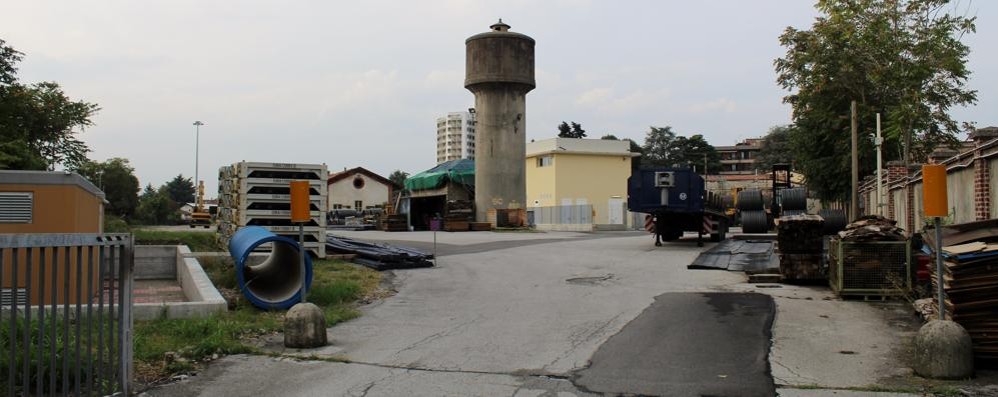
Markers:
point(615, 216)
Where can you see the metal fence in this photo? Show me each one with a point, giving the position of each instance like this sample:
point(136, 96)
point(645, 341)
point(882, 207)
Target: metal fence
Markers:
point(65, 317)
point(561, 215)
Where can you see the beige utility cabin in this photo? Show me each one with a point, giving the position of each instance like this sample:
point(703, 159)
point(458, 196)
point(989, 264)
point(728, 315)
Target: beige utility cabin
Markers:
point(569, 174)
point(47, 202)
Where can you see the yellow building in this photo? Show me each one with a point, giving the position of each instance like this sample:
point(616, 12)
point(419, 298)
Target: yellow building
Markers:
point(573, 173)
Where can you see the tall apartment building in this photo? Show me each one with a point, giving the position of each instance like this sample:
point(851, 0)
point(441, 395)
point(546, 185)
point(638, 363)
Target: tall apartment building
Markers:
point(740, 159)
point(456, 136)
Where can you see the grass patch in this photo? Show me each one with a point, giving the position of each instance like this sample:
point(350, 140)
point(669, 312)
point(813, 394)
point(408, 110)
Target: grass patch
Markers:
point(196, 241)
point(220, 270)
point(337, 287)
point(114, 224)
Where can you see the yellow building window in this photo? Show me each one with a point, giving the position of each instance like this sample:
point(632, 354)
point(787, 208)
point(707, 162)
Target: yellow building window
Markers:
point(545, 161)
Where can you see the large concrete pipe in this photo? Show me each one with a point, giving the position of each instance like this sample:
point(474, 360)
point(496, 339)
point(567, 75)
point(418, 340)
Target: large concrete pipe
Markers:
point(276, 282)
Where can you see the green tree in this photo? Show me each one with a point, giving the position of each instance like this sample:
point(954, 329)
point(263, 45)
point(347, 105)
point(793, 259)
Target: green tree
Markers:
point(564, 130)
point(38, 122)
point(147, 191)
point(156, 208)
point(635, 148)
point(901, 58)
point(571, 131)
point(775, 149)
point(116, 178)
point(181, 190)
point(658, 142)
point(693, 152)
point(398, 177)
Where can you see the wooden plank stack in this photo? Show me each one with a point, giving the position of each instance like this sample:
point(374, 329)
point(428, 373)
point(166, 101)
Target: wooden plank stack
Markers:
point(799, 241)
point(480, 226)
point(459, 214)
point(970, 280)
point(393, 223)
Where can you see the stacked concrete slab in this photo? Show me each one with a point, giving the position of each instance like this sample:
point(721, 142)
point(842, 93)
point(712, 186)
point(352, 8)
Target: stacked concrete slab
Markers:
point(258, 194)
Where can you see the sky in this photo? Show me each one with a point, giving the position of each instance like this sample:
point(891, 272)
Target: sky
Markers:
point(361, 83)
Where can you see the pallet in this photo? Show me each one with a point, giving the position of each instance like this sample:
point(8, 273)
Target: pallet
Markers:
point(480, 226)
point(456, 226)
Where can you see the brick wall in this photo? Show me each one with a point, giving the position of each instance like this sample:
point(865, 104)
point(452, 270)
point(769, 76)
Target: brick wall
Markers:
point(982, 187)
point(968, 175)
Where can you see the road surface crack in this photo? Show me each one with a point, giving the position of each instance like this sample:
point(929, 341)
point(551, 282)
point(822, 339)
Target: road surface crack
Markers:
point(446, 332)
point(581, 337)
point(792, 372)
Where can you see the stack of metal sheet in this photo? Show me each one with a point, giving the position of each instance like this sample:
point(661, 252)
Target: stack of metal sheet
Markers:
point(258, 194)
point(379, 256)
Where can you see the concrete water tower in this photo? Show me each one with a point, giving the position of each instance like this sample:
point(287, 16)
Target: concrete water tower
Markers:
point(500, 72)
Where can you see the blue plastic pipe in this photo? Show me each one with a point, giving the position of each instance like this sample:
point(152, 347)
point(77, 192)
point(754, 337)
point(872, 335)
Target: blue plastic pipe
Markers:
point(276, 282)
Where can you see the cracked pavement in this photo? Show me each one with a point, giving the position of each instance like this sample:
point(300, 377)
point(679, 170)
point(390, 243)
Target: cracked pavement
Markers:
point(513, 320)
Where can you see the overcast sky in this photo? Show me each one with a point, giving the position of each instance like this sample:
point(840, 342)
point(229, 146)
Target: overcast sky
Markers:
point(361, 83)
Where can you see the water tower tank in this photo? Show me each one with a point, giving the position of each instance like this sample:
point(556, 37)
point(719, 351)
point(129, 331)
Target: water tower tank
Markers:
point(500, 72)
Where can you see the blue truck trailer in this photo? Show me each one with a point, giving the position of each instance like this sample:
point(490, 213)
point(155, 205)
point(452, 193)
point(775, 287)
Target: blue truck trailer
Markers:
point(678, 202)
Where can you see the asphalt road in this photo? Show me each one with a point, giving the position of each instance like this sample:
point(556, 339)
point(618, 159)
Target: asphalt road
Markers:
point(565, 314)
point(689, 344)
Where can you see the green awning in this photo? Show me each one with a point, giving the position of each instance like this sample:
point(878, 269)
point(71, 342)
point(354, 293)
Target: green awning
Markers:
point(455, 171)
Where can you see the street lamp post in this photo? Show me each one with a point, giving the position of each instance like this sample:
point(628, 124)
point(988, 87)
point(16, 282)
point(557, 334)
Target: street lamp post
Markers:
point(197, 139)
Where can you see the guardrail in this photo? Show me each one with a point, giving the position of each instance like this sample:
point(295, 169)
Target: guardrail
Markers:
point(65, 316)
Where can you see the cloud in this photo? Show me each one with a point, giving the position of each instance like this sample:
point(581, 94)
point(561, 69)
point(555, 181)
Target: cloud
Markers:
point(604, 100)
point(724, 105)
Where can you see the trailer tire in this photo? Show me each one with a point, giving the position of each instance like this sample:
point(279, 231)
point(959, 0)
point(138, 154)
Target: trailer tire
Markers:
point(755, 222)
point(722, 230)
point(750, 200)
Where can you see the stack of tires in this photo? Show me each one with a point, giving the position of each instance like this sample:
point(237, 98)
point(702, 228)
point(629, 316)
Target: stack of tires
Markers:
point(753, 212)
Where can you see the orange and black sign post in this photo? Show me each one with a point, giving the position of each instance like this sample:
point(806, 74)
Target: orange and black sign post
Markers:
point(301, 214)
point(934, 204)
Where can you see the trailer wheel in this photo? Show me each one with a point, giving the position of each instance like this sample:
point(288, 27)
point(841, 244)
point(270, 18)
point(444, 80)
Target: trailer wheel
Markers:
point(722, 231)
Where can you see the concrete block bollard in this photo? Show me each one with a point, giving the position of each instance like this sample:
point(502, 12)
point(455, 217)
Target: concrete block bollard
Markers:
point(943, 350)
point(305, 327)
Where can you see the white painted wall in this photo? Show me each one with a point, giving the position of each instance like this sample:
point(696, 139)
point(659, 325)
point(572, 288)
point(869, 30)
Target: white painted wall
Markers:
point(343, 192)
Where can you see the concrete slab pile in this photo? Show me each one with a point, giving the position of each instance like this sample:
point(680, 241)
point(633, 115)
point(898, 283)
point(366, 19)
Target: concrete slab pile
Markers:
point(257, 194)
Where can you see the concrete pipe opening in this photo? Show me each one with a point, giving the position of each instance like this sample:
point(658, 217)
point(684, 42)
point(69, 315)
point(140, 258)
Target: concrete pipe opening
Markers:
point(276, 282)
